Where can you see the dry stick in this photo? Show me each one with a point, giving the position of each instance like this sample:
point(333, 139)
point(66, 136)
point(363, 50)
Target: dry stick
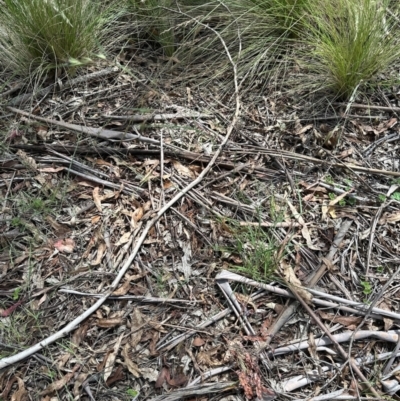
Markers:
point(45, 91)
point(171, 152)
point(313, 280)
point(95, 132)
point(341, 351)
point(351, 167)
point(372, 107)
point(147, 118)
point(5, 362)
point(372, 235)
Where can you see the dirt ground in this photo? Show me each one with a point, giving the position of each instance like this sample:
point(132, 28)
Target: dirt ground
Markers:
point(118, 260)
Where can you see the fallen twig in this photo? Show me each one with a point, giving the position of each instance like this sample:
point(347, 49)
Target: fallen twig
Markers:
point(17, 101)
point(95, 132)
point(146, 118)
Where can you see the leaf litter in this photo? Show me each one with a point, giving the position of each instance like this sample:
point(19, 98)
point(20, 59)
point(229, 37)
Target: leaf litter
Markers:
point(77, 196)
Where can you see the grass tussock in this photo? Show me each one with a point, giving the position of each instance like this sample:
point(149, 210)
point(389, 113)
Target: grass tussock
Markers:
point(154, 22)
point(45, 35)
point(350, 42)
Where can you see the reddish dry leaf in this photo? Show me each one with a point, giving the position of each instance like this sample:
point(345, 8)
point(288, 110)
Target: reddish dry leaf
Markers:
point(7, 312)
point(59, 384)
point(161, 377)
point(65, 246)
point(7, 386)
point(198, 342)
point(178, 381)
point(164, 375)
point(95, 219)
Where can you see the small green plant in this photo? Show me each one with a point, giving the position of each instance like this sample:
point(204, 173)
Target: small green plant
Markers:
point(38, 205)
point(367, 288)
point(17, 222)
point(380, 269)
point(16, 293)
point(381, 198)
point(132, 393)
point(257, 251)
point(332, 196)
point(329, 180)
point(396, 196)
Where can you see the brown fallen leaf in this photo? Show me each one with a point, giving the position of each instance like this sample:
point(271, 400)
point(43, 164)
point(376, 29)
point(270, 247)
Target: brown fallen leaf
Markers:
point(100, 253)
point(292, 280)
point(111, 359)
point(96, 199)
point(136, 325)
point(107, 323)
point(351, 322)
point(59, 384)
point(79, 334)
point(132, 367)
point(21, 394)
point(78, 384)
point(118, 375)
point(183, 170)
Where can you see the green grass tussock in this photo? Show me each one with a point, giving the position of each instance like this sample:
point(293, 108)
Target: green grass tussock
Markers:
point(351, 42)
point(49, 34)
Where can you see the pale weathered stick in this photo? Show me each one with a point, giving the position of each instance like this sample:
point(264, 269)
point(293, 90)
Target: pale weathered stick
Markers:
point(146, 118)
point(358, 308)
point(95, 132)
point(329, 258)
point(45, 91)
